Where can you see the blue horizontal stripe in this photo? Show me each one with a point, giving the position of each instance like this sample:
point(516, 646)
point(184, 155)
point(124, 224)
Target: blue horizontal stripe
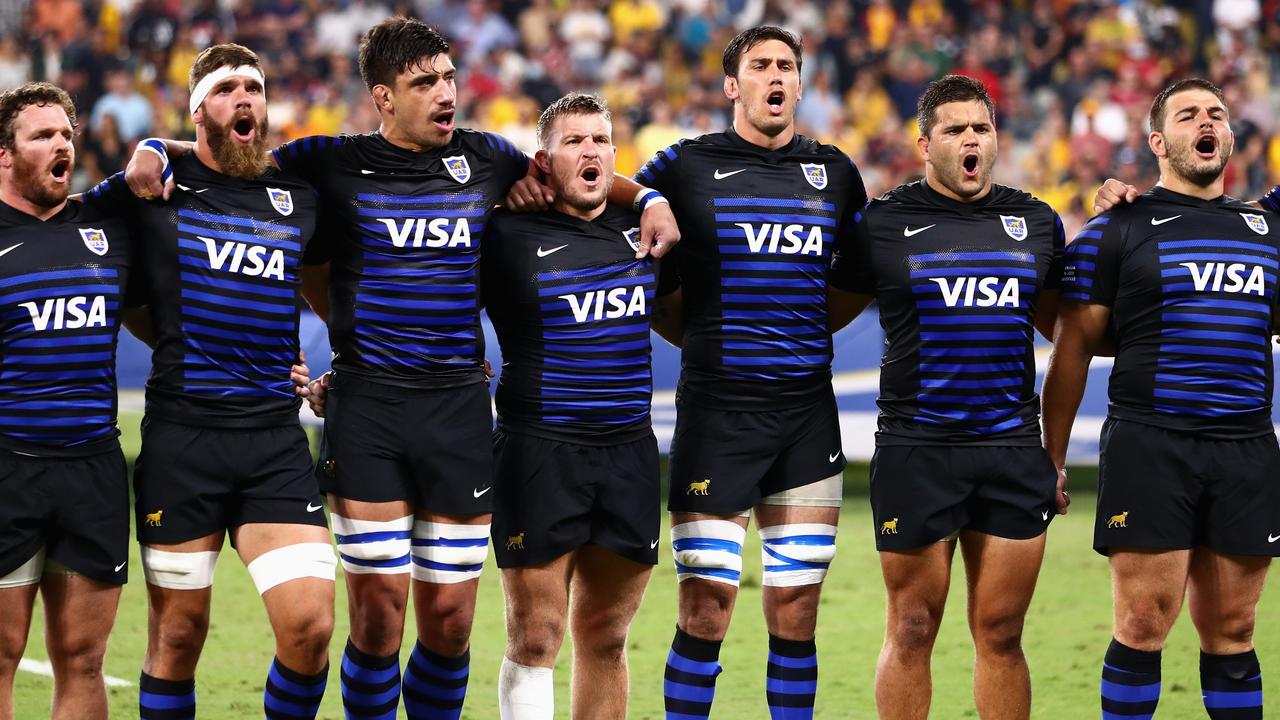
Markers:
point(1184, 333)
point(52, 276)
point(257, 225)
point(293, 688)
point(425, 322)
point(221, 300)
point(1205, 397)
point(433, 565)
point(708, 572)
point(369, 675)
point(951, 258)
point(1257, 355)
point(967, 415)
point(420, 199)
point(1234, 384)
point(791, 687)
point(1222, 699)
point(288, 245)
point(368, 537)
point(1089, 235)
point(224, 283)
point(687, 693)
point(63, 359)
point(972, 336)
point(774, 202)
point(792, 662)
point(154, 701)
point(451, 542)
point(775, 218)
point(391, 562)
point(1212, 244)
point(1220, 257)
point(693, 667)
point(285, 325)
point(1002, 319)
point(1204, 366)
point(777, 360)
point(424, 214)
point(32, 421)
point(949, 272)
point(701, 543)
point(773, 282)
point(1082, 248)
point(1214, 319)
point(78, 402)
point(1130, 693)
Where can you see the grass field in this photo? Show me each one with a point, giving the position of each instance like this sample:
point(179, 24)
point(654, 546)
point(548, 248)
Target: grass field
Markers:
point(1067, 632)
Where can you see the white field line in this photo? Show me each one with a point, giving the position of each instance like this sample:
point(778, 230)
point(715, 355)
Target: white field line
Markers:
point(42, 667)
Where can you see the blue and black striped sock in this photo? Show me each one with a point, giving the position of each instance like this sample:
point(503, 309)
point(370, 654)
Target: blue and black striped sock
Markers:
point(1231, 686)
point(166, 699)
point(1130, 683)
point(370, 684)
point(792, 678)
point(690, 684)
point(291, 695)
point(435, 686)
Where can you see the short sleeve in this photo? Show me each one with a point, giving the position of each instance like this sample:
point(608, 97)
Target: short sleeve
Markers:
point(1091, 269)
point(1053, 278)
point(658, 172)
point(308, 157)
point(509, 162)
point(668, 270)
point(851, 268)
point(1271, 201)
point(112, 196)
point(324, 239)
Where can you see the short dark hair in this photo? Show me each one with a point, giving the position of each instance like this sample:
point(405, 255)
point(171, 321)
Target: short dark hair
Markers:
point(15, 100)
point(752, 37)
point(575, 103)
point(1159, 107)
point(949, 89)
point(224, 55)
point(395, 45)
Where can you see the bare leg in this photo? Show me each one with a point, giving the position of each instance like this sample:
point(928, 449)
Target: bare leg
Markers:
point(607, 590)
point(917, 582)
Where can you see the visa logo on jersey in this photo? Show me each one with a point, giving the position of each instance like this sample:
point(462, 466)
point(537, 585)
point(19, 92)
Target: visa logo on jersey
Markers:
point(784, 239)
point(1210, 276)
point(979, 292)
point(68, 313)
point(402, 232)
point(606, 304)
point(238, 257)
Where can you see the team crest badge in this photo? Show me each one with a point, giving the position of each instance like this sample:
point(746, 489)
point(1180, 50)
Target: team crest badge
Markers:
point(458, 168)
point(95, 240)
point(1256, 223)
point(281, 200)
point(632, 236)
point(1015, 227)
point(815, 174)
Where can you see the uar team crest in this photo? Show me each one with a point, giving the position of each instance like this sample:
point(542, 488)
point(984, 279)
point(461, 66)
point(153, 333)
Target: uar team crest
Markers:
point(458, 168)
point(281, 200)
point(94, 239)
point(632, 236)
point(1256, 223)
point(1015, 227)
point(816, 174)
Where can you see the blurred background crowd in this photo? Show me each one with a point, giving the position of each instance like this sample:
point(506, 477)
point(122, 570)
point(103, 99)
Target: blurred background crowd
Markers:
point(1072, 80)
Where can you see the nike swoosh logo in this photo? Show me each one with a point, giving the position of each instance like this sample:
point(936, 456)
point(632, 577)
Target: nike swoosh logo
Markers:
point(366, 172)
point(544, 253)
point(311, 508)
point(120, 566)
point(1165, 220)
point(720, 176)
point(478, 493)
point(9, 249)
point(908, 232)
point(832, 458)
point(653, 544)
point(184, 188)
point(1044, 515)
point(1272, 538)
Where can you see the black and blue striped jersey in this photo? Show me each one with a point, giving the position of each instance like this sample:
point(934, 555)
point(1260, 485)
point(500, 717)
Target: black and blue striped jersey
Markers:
point(1191, 285)
point(571, 305)
point(402, 230)
point(757, 230)
point(957, 286)
point(63, 285)
point(222, 260)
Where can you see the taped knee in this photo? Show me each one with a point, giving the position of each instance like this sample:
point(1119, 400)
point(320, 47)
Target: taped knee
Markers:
point(373, 547)
point(797, 554)
point(709, 550)
point(300, 560)
point(446, 553)
point(178, 570)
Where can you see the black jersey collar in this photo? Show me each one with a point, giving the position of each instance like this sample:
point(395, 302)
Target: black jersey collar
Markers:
point(14, 216)
point(1164, 194)
point(938, 198)
point(738, 141)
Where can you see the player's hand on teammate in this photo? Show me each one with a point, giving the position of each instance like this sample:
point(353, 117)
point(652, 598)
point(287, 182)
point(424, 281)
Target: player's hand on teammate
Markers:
point(316, 392)
point(143, 176)
point(300, 375)
point(488, 369)
point(1113, 193)
point(529, 195)
point(1062, 498)
point(658, 231)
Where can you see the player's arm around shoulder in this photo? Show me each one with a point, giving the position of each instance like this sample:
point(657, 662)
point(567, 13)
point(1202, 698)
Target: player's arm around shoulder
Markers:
point(851, 278)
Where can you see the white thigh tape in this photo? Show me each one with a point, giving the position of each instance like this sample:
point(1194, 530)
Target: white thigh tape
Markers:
point(291, 562)
point(445, 553)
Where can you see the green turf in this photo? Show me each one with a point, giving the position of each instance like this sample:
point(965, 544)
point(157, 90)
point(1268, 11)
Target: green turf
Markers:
point(1067, 632)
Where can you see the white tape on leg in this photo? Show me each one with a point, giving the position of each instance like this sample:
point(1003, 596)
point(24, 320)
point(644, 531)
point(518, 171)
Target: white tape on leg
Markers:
point(178, 570)
point(797, 554)
point(446, 553)
point(709, 550)
point(373, 547)
point(291, 562)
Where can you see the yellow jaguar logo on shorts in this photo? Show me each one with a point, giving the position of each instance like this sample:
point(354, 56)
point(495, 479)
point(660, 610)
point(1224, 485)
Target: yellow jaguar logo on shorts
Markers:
point(699, 488)
point(153, 519)
point(516, 542)
point(889, 527)
point(1118, 521)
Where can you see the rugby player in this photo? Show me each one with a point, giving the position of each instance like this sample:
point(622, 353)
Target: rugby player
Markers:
point(756, 424)
point(965, 271)
point(222, 448)
point(407, 458)
point(65, 513)
point(576, 521)
point(1185, 278)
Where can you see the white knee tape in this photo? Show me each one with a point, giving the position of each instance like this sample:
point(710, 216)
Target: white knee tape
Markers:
point(823, 493)
point(525, 693)
point(373, 547)
point(445, 553)
point(178, 570)
point(300, 560)
point(709, 550)
point(797, 554)
point(28, 573)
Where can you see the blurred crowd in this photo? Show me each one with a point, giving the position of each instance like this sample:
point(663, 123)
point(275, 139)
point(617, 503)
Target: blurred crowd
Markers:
point(1072, 80)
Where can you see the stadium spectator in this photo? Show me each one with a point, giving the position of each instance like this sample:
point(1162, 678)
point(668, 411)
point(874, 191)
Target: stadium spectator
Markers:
point(131, 109)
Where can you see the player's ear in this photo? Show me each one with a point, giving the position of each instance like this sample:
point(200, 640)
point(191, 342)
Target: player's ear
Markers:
point(731, 87)
point(922, 146)
point(1156, 142)
point(197, 117)
point(382, 98)
point(543, 161)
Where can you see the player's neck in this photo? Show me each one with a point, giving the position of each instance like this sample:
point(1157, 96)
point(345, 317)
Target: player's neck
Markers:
point(751, 134)
point(941, 189)
point(15, 200)
point(393, 135)
point(562, 205)
point(1170, 180)
point(204, 154)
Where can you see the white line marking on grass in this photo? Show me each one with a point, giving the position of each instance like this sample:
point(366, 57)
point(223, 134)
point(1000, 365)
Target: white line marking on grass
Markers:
point(42, 667)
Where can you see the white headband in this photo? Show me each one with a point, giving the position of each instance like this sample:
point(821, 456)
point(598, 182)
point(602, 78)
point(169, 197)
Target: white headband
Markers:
point(208, 81)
